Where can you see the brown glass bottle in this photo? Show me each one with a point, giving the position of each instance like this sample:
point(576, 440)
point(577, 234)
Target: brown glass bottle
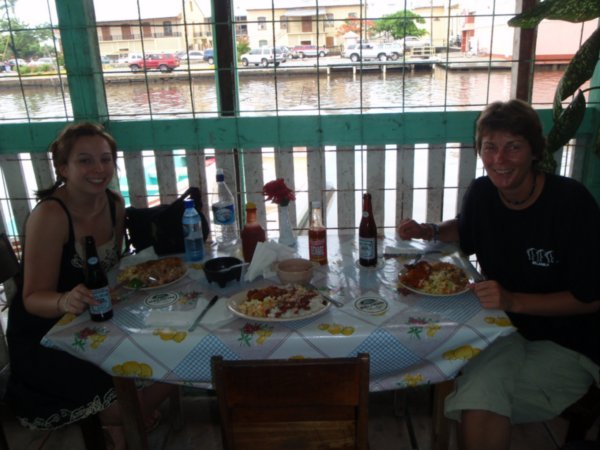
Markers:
point(95, 280)
point(252, 233)
point(367, 235)
point(317, 236)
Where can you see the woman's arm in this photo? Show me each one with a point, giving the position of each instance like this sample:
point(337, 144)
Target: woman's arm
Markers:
point(47, 231)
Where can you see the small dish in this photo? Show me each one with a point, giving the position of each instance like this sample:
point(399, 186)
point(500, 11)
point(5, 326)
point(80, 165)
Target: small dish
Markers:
point(295, 270)
point(223, 269)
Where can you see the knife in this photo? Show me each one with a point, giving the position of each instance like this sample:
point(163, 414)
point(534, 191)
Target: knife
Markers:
point(203, 313)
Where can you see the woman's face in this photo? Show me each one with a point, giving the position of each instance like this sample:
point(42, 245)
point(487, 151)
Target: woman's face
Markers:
point(90, 166)
point(508, 160)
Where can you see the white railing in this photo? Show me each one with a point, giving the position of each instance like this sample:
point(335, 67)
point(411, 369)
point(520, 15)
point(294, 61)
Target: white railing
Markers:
point(423, 181)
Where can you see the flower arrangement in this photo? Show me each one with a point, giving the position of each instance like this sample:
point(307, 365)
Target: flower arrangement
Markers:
point(278, 192)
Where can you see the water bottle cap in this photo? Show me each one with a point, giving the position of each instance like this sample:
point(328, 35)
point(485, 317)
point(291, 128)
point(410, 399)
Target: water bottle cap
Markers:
point(189, 203)
point(316, 204)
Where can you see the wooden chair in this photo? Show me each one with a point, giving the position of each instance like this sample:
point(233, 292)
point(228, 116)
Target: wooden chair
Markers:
point(582, 415)
point(10, 271)
point(293, 404)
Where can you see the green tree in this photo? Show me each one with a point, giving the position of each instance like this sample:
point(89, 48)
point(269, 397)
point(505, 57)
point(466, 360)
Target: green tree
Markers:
point(401, 24)
point(242, 46)
point(22, 41)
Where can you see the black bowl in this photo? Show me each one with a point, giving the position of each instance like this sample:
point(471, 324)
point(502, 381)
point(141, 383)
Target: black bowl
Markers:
point(217, 270)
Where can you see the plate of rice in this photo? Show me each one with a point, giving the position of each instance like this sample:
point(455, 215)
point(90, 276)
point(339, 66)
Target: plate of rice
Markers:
point(278, 303)
point(439, 279)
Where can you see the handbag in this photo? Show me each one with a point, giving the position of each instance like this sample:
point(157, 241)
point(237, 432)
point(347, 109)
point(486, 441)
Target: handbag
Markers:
point(160, 226)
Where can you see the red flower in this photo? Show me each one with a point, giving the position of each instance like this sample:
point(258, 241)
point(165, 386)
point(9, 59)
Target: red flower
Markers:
point(278, 192)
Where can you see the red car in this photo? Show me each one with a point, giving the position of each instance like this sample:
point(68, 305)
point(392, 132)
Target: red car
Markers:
point(300, 51)
point(165, 62)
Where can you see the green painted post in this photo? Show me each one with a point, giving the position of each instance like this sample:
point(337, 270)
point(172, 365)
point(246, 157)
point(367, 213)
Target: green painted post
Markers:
point(77, 23)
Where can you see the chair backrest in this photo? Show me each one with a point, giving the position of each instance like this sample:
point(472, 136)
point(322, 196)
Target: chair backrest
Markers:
point(293, 404)
point(10, 271)
point(9, 264)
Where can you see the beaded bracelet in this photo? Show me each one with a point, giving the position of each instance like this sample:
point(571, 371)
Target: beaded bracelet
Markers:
point(435, 231)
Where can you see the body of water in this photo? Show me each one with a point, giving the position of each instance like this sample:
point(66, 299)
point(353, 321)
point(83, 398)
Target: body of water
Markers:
point(287, 94)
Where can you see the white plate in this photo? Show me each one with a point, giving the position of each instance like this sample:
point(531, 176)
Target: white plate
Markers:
point(239, 298)
point(151, 288)
point(417, 291)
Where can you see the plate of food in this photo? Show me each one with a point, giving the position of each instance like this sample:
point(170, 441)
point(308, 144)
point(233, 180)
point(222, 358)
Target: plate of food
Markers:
point(153, 274)
point(278, 303)
point(435, 278)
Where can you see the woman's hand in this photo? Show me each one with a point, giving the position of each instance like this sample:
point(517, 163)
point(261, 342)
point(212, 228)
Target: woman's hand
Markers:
point(76, 301)
point(492, 295)
point(410, 229)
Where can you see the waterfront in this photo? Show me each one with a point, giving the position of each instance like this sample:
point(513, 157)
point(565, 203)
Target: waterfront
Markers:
point(270, 92)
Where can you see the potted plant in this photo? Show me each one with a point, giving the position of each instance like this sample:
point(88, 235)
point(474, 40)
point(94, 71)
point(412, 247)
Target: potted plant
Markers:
point(580, 69)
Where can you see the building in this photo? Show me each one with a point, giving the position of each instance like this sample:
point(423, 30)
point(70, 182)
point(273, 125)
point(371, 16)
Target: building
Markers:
point(300, 22)
point(161, 27)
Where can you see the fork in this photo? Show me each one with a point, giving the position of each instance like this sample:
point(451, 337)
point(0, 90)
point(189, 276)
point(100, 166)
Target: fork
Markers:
point(326, 296)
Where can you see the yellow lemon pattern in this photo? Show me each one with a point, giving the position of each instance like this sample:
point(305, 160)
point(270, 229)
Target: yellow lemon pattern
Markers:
point(463, 352)
point(418, 325)
point(90, 337)
point(413, 380)
point(499, 321)
point(336, 328)
point(133, 369)
point(170, 335)
point(66, 319)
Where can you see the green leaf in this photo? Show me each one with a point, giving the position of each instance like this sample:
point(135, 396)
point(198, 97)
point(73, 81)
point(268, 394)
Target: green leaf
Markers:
point(566, 125)
point(530, 19)
point(568, 10)
point(580, 69)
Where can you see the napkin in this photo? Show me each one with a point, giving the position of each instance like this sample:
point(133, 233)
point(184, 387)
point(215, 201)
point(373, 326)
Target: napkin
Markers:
point(183, 319)
point(265, 254)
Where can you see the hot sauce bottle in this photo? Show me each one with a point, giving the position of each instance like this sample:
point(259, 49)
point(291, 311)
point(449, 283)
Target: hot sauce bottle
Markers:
point(367, 235)
point(317, 236)
point(252, 233)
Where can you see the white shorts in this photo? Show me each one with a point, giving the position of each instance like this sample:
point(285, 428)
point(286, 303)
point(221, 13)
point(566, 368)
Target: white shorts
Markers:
point(527, 381)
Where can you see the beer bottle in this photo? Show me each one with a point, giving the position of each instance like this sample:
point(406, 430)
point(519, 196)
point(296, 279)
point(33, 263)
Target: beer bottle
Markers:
point(367, 235)
point(95, 280)
point(317, 236)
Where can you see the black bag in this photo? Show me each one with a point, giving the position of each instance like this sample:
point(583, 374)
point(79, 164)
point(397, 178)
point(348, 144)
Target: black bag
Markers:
point(160, 226)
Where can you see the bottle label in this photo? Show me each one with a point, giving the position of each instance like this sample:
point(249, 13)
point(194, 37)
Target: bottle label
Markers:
point(192, 232)
point(365, 214)
point(102, 296)
point(366, 248)
point(92, 260)
point(317, 248)
point(223, 214)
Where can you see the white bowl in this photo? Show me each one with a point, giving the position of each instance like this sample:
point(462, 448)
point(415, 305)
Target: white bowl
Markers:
point(295, 270)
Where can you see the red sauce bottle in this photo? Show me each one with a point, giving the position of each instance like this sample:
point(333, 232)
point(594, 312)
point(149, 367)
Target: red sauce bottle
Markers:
point(252, 233)
point(317, 236)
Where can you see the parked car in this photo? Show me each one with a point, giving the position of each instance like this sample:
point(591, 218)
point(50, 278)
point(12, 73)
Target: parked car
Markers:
point(19, 61)
point(43, 62)
point(364, 51)
point(393, 50)
point(209, 56)
point(191, 55)
point(165, 62)
point(130, 57)
point(286, 52)
point(263, 56)
point(301, 51)
point(410, 42)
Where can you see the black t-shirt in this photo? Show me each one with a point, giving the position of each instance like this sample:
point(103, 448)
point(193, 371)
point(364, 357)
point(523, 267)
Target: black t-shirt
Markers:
point(551, 246)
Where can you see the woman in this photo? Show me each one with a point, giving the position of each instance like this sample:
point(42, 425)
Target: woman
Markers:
point(537, 239)
point(50, 388)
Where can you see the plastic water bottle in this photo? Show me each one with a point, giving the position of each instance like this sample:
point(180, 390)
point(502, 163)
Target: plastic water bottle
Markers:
point(224, 215)
point(192, 232)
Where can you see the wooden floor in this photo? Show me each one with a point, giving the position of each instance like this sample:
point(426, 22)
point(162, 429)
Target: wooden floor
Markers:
point(387, 427)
